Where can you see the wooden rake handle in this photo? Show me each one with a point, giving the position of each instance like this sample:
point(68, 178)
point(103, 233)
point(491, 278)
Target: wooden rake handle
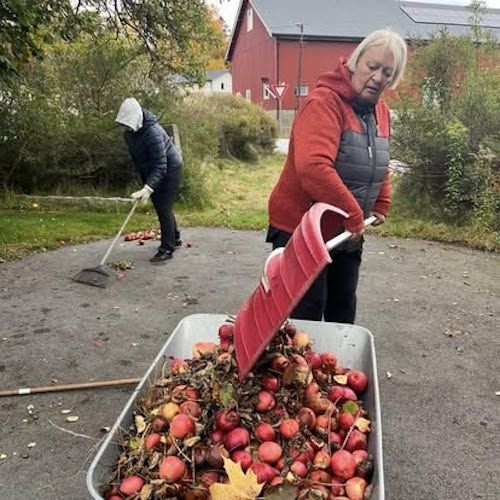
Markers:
point(68, 387)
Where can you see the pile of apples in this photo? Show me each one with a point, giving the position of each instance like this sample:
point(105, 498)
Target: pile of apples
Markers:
point(297, 421)
point(148, 234)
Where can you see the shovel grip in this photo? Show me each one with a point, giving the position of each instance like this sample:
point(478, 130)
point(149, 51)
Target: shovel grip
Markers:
point(343, 237)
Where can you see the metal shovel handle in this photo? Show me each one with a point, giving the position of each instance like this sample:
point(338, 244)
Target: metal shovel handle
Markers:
point(118, 234)
point(342, 237)
point(330, 245)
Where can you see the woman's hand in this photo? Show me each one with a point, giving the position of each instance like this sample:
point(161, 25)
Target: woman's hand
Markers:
point(380, 218)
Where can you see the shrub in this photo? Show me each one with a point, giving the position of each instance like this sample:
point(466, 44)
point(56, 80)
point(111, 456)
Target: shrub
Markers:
point(449, 134)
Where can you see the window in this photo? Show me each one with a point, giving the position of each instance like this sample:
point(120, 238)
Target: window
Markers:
point(249, 19)
point(248, 95)
point(222, 86)
point(266, 92)
point(301, 90)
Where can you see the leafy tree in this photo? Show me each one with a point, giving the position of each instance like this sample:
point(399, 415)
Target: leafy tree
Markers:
point(178, 35)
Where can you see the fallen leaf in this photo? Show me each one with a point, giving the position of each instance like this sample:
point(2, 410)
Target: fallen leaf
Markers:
point(497, 393)
point(134, 443)
point(140, 424)
point(64, 412)
point(32, 444)
point(362, 424)
point(105, 429)
point(282, 492)
point(72, 418)
point(3, 456)
point(350, 407)
point(190, 442)
point(340, 379)
point(146, 491)
point(241, 486)
point(389, 374)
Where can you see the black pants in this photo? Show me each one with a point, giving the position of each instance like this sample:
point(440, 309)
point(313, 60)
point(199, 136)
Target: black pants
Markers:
point(163, 201)
point(332, 296)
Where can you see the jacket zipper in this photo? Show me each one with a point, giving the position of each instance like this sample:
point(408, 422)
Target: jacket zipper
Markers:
point(372, 154)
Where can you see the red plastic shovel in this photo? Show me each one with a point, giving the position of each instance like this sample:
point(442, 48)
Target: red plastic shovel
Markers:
point(288, 274)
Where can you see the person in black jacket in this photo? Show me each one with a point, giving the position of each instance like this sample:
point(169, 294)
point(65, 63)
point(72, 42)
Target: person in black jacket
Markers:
point(159, 164)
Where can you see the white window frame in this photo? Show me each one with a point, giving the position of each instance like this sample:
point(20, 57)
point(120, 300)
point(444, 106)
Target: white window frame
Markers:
point(249, 19)
point(248, 95)
point(266, 92)
point(303, 89)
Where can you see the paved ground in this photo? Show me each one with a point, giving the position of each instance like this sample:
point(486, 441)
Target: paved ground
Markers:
point(433, 309)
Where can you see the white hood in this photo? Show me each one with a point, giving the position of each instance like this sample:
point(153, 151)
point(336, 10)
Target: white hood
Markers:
point(130, 114)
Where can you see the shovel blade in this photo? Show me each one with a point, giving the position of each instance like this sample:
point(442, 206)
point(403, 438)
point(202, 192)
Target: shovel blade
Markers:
point(288, 275)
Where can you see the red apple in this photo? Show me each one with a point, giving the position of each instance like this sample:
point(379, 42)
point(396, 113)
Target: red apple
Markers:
point(343, 464)
point(182, 426)
point(270, 383)
point(357, 381)
point(237, 438)
point(306, 417)
point(356, 441)
point(226, 331)
point(243, 458)
point(345, 420)
point(314, 359)
point(299, 468)
point(172, 469)
point(359, 455)
point(289, 428)
point(152, 441)
point(269, 452)
point(265, 402)
point(328, 360)
point(265, 432)
point(226, 421)
point(355, 488)
point(336, 393)
point(131, 485)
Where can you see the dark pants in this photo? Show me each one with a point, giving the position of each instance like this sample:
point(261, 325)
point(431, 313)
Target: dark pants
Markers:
point(332, 296)
point(163, 201)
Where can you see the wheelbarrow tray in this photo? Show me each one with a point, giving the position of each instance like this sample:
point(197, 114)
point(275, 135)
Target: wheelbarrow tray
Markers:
point(352, 344)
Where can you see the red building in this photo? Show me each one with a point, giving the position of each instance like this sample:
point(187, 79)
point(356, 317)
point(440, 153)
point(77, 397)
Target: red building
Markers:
point(291, 42)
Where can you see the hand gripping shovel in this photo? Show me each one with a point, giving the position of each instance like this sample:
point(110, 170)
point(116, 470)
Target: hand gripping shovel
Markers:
point(288, 274)
point(98, 276)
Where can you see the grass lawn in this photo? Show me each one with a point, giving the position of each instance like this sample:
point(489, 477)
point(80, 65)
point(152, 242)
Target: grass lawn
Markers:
point(239, 190)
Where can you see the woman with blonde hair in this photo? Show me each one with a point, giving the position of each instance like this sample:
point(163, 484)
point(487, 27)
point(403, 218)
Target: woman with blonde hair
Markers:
point(339, 154)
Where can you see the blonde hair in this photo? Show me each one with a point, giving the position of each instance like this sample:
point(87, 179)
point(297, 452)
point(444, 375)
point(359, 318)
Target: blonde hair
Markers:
point(387, 38)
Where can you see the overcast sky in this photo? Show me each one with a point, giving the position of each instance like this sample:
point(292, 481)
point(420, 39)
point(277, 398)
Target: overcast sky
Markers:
point(228, 8)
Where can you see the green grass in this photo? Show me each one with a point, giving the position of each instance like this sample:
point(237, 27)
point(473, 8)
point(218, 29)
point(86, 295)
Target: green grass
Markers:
point(239, 200)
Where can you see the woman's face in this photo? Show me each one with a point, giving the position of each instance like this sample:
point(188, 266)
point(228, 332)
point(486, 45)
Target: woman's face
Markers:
point(373, 73)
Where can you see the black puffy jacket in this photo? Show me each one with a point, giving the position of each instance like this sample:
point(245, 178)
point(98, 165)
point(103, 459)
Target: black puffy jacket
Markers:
point(152, 150)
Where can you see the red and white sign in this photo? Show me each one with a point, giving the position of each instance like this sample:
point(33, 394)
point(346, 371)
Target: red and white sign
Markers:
point(279, 90)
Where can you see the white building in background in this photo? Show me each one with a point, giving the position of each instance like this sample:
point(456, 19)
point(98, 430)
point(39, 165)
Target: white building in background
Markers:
point(219, 81)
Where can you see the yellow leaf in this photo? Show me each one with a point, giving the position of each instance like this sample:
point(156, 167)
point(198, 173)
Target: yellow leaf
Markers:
point(140, 424)
point(146, 491)
point(362, 424)
point(241, 486)
point(340, 379)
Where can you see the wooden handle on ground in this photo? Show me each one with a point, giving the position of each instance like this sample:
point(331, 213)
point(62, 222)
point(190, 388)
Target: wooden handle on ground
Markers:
point(68, 387)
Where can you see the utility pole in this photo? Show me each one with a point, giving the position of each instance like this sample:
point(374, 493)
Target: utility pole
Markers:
point(299, 75)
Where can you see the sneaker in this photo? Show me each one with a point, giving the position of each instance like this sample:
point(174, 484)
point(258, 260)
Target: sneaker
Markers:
point(178, 242)
point(161, 257)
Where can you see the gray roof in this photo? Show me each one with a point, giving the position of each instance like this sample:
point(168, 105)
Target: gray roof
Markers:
point(358, 18)
point(212, 75)
point(354, 19)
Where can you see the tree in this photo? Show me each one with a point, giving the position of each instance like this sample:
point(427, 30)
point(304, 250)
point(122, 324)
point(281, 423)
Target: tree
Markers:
point(178, 35)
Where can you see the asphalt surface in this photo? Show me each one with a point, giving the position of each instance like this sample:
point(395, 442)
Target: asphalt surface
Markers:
point(433, 309)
